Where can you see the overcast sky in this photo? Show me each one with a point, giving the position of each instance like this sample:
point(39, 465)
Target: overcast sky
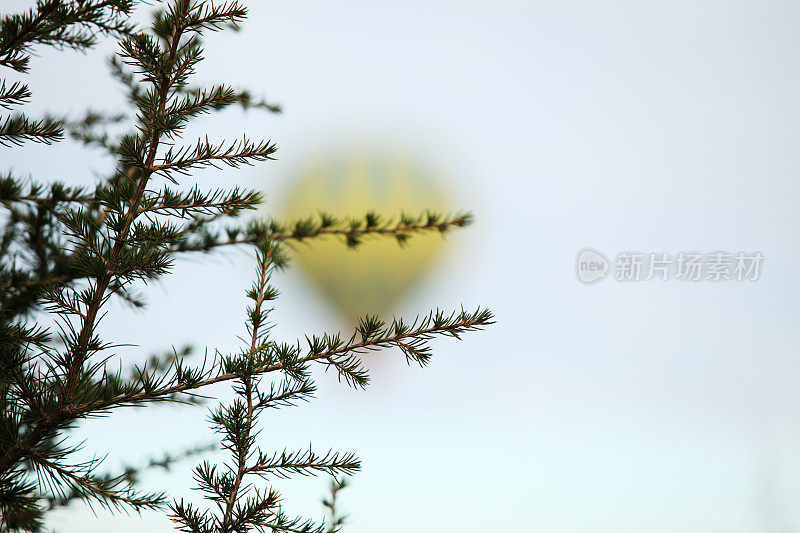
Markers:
point(615, 407)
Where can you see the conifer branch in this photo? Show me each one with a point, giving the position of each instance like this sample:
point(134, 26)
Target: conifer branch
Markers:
point(293, 525)
point(199, 102)
point(243, 97)
point(336, 520)
point(81, 341)
point(353, 231)
point(15, 94)
point(372, 224)
point(228, 203)
point(205, 154)
point(65, 24)
point(375, 333)
point(326, 349)
point(288, 393)
point(131, 474)
point(67, 250)
point(111, 492)
point(48, 199)
point(239, 511)
point(241, 444)
point(85, 128)
point(17, 129)
point(11, 190)
point(304, 463)
point(161, 85)
point(246, 100)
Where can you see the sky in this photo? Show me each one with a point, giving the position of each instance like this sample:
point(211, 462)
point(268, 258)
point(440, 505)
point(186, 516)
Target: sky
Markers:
point(624, 407)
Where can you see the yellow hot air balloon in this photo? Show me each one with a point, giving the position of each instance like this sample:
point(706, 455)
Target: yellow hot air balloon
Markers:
point(373, 278)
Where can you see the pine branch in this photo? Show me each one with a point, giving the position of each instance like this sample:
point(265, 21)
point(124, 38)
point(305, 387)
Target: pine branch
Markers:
point(198, 16)
point(126, 223)
point(67, 251)
point(195, 202)
point(286, 394)
point(372, 224)
point(49, 199)
point(127, 78)
point(131, 474)
point(336, 520)
point(17, 129)
point(19, 509)
point(197, 103)
point(328, 349)
point(241, 445)
point(244, 98)
point(375, 333)
point(204, 154)
point(12, 190)
point(228, 489)
point(64, 24)
point(293, 525)
point(81, 341)
point(15, 94)
point(352, 231)
point(85, 129)
point(304, 463)
point(111, 492)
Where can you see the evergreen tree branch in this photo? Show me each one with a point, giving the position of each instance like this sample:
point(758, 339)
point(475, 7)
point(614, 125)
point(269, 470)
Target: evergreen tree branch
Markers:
point(85, 129)
point(17, 129)
point(304, 462)
point(293, 525)
point(48, 199)
point(328, 349)
point(353, 231)
point(131, 474)
point(195, 202)
point(205, 154)
point(67, 251)
point(11, 190)
point(83, 342)
point(286, 394)
point(244, 98)
point(260, 293)
point(147, 170)
point(110, 492)
point(15, 94)
point(336, 520)
point(66, 24)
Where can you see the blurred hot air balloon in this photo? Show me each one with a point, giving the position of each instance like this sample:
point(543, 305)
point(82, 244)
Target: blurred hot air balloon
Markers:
point(373, 278)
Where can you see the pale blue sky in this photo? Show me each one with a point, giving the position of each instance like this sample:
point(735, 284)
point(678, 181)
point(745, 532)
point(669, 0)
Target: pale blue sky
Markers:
point(618, 408)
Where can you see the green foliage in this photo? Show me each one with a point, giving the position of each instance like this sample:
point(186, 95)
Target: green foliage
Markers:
point(67, 250)
point(336, 520)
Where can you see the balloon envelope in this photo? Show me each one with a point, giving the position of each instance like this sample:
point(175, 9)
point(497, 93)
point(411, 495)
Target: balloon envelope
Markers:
point(374, 277)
